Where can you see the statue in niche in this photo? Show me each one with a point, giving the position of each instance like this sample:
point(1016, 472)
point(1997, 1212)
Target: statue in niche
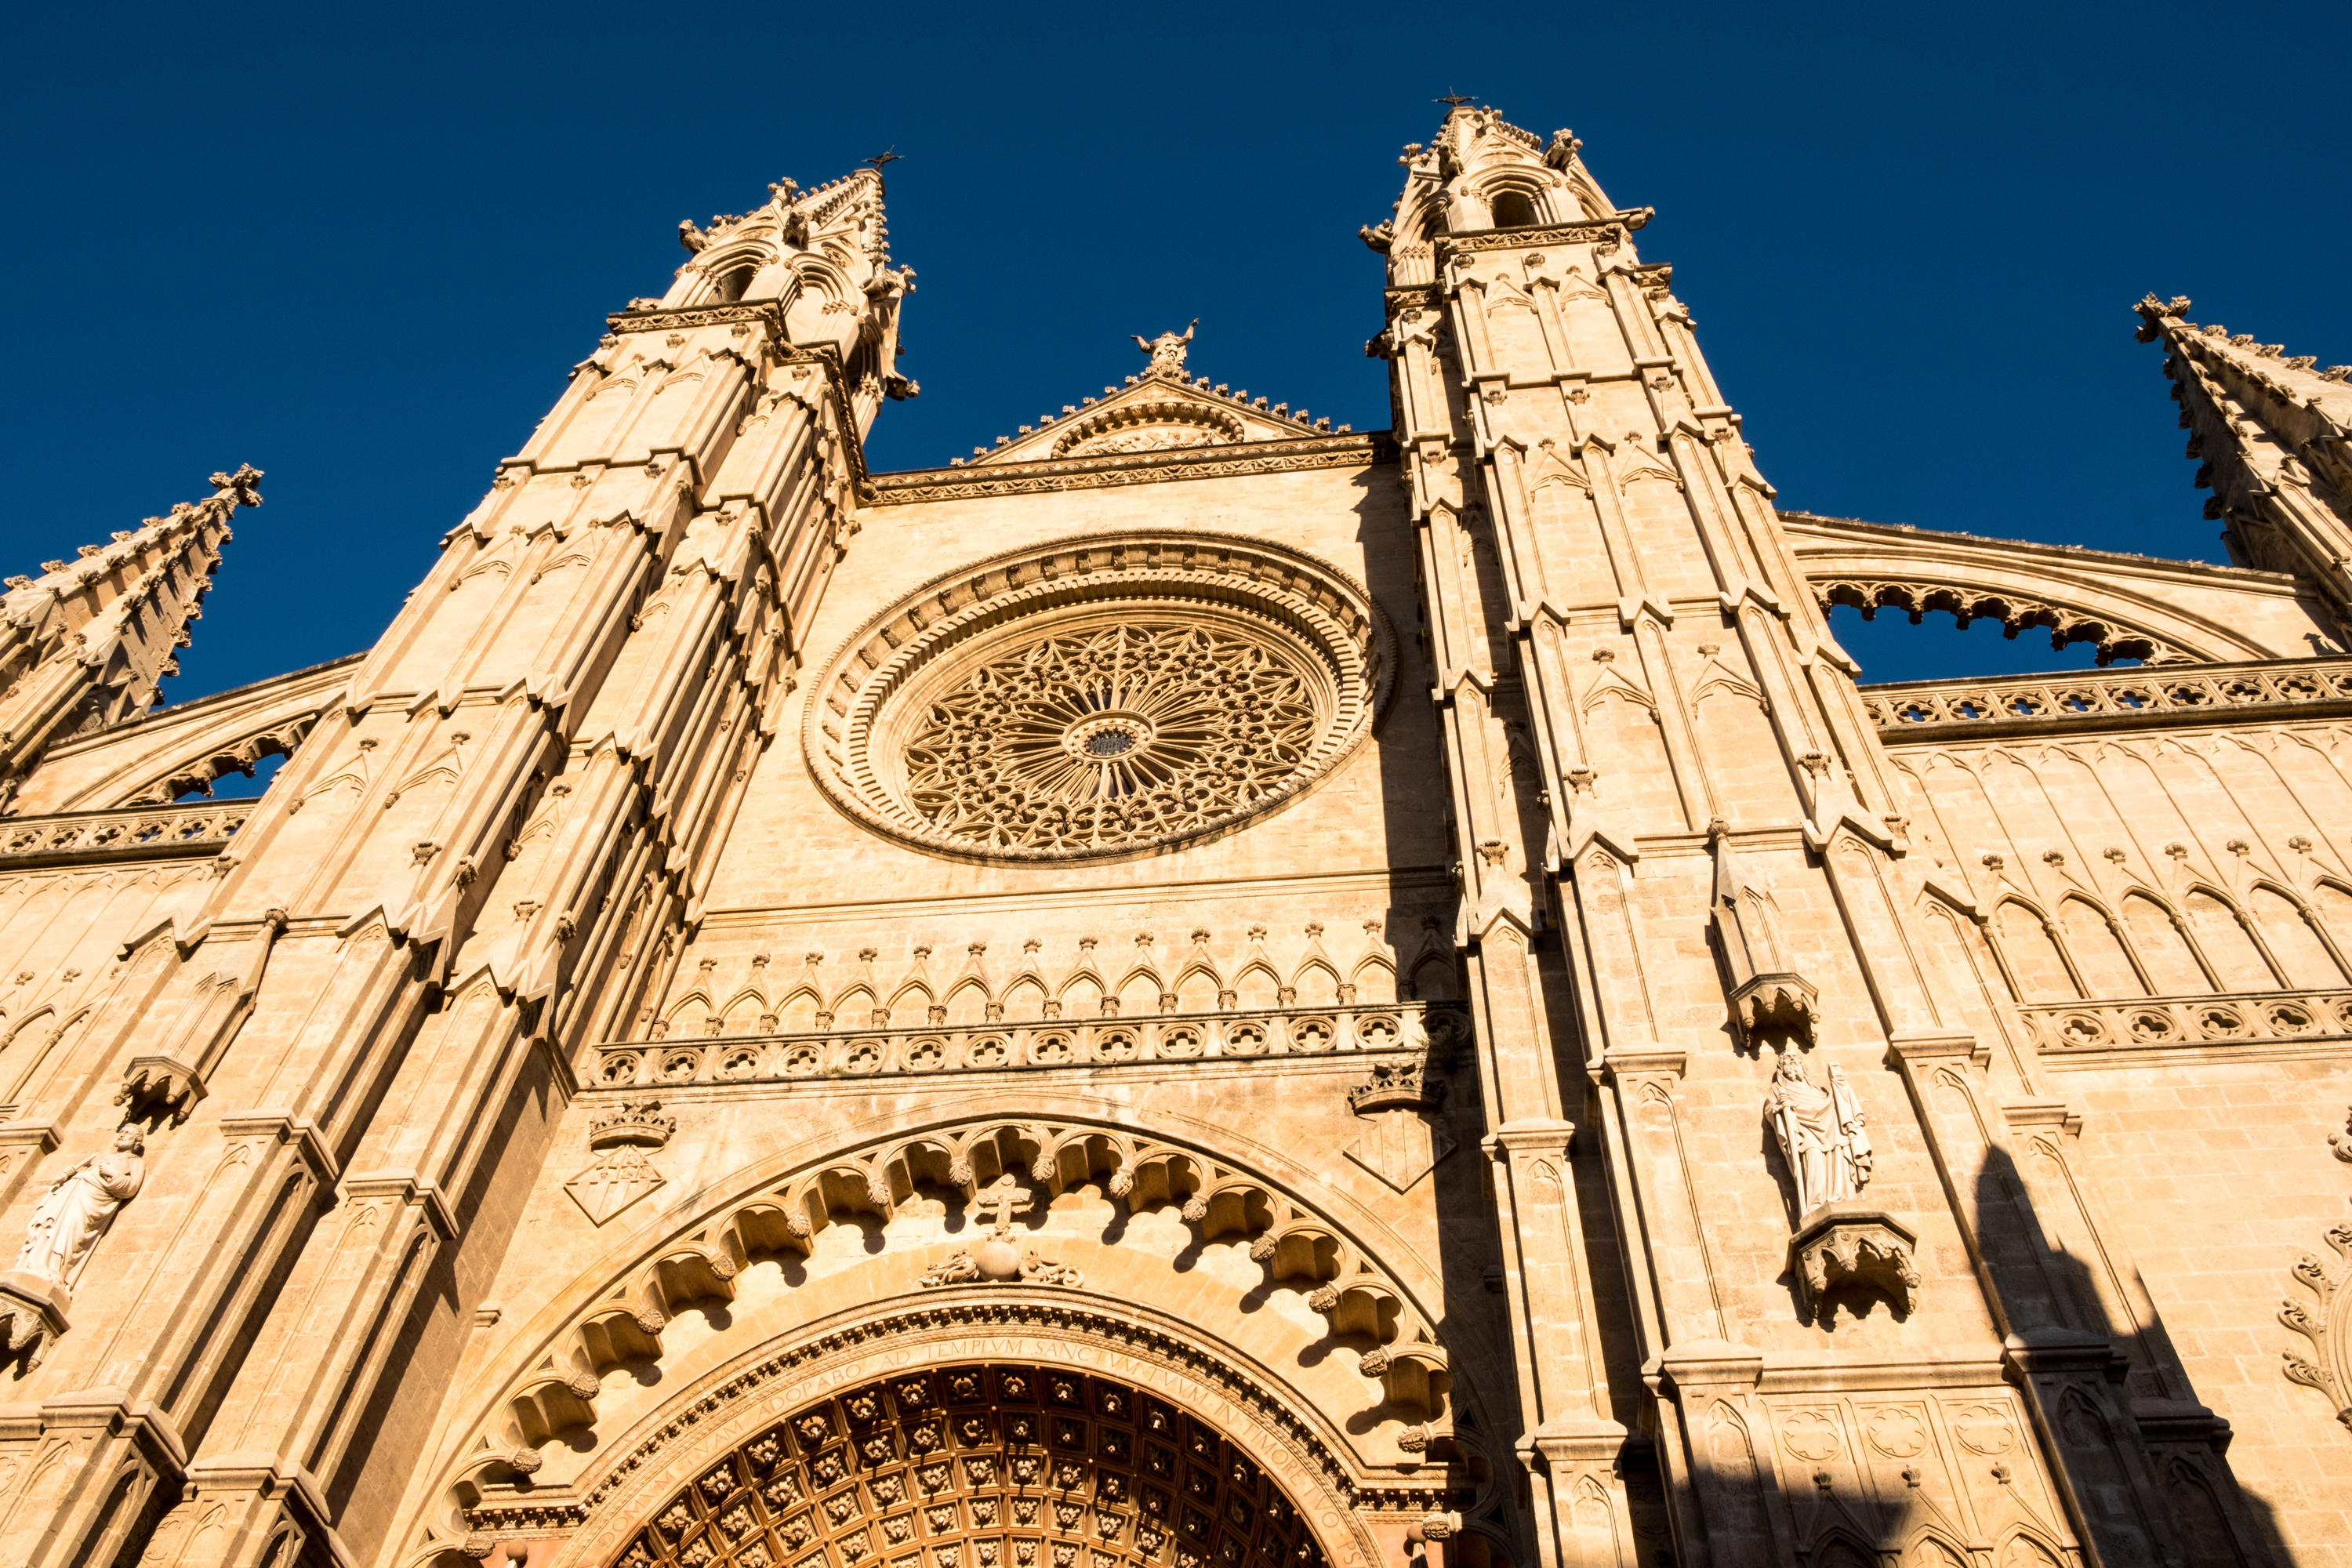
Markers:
point(78, 1208)
point(1167, 352)
point(1820, 1134)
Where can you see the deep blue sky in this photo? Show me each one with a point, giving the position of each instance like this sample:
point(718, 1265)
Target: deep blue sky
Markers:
point(359, 247)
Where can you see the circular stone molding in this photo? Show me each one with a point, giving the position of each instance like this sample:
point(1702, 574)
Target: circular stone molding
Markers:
point(1099, 696)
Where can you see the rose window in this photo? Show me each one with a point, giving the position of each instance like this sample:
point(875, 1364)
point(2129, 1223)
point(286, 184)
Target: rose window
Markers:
point(1099, 696)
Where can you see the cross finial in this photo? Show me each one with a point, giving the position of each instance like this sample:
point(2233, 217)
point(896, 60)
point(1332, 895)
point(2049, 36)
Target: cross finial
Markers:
point(1452, 100)
point(890, 155)
point(1008, 1197)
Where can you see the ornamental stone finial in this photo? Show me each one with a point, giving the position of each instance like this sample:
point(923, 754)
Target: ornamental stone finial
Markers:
point(1167, 351)
point(242, 488)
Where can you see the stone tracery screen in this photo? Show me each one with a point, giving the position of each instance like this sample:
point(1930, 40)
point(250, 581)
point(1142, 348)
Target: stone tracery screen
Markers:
point(1099, 696)
point(972, 1467)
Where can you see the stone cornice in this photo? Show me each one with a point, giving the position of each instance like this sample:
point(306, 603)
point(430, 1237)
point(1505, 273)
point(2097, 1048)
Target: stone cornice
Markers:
point(1611, 230)
point(687, 316)
point(1859, 529)
point(1355, 449)
point(2204, 696)
point(138, 833)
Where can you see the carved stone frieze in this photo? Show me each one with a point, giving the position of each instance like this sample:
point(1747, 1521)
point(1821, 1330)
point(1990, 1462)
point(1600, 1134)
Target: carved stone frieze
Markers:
point(2247, 1023)
point(1608, 231)
point(143, 833)
point(2203, 694)
point(1354, 449)
point(852, 1051)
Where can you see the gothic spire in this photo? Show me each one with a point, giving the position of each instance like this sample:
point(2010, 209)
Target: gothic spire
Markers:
point(84, 645)
point(2274, 434)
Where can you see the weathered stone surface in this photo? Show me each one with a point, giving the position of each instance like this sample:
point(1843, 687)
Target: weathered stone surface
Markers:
point(1235, 961)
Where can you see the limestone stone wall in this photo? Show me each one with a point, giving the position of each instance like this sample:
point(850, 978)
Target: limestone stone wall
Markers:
point(2153, 925)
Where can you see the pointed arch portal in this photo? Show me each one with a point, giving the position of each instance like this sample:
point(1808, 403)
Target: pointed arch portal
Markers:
point(981, 1465)
point(990, 1430)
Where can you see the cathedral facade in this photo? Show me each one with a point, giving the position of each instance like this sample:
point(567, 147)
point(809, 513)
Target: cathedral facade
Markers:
point(1195, 990)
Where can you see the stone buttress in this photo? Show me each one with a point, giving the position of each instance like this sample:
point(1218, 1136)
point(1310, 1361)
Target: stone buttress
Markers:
point(482, 853)
point(1651, 735)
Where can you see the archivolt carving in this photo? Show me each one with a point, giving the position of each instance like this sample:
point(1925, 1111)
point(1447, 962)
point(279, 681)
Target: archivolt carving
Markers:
point(1099, 696)
point(1295, 1245)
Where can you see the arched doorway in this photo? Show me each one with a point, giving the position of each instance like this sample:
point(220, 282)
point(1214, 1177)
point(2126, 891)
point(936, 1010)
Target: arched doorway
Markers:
point(975, 1465)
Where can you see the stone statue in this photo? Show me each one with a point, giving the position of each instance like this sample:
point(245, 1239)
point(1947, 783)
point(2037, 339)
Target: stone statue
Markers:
point(1821, 1134)
point(1167, 351)
point(68, 1222)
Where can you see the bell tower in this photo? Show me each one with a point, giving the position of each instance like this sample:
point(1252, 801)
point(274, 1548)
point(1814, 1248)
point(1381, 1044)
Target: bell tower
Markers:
point(1686, 881)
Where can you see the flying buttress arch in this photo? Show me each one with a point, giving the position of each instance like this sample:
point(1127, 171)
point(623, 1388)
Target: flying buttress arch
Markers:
point(2126, 607)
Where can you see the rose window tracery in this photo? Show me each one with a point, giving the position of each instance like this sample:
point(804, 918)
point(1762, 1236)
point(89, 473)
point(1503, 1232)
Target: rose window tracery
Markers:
point(980, 1467)
point(1099, 696)
point(1112, 732)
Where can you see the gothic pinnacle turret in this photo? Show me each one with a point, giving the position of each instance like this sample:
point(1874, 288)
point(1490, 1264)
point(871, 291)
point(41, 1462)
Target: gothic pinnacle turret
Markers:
point(821, 256)
point(2275, 436)
point(84, 645)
